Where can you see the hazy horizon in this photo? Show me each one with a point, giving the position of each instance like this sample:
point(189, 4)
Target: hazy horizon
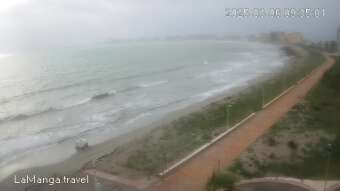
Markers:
point(28, 24)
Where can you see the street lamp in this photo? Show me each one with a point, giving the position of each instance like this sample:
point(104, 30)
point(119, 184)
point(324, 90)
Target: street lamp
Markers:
point(97, 185)
point(228, 109)
point(262, 94)
point(329, 147)
point(328, 150)
point(285, 81)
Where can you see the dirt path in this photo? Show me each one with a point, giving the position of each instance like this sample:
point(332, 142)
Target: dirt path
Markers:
point(193, 175)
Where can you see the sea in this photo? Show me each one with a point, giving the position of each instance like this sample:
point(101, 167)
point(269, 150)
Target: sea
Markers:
point(102, 91)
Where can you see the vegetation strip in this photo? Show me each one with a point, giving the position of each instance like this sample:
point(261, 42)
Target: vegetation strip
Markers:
point(119, 180)
point(224, 179)
point(199, 150)
point(228, 131)
point(305, 144)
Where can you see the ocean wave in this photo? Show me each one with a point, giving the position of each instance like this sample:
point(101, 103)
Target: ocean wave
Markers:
point(168, 104)
point(138, 117)
point(86, 82)
point(142, 85)
point(215, 91)
point(48, 90)
point(128, 89)
point(221, 89)
point(32, 93)
point(4, 102)
point(24, 116)
point(152, 84)
point(213, 73)
point(81, 102)
point(101, 96)
point(149, 73)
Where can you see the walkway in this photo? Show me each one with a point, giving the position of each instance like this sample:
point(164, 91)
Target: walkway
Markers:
point(193, 175)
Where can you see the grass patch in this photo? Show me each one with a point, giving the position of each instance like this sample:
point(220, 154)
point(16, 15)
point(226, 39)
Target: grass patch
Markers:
point(323, 159)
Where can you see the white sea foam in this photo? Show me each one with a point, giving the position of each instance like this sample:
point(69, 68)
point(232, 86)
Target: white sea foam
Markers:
point(80, 102)
point(152, 84)
point(214, 92)
point(138, 117)
point(221, 89)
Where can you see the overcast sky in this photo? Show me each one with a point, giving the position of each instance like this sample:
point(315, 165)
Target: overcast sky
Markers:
point(40, 23)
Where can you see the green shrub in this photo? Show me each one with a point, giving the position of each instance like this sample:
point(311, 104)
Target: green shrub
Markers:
point(222, 180)
point(292, 145)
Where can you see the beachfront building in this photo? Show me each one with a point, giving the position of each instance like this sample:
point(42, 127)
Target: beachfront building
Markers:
point(280, 37)
point(294, 38)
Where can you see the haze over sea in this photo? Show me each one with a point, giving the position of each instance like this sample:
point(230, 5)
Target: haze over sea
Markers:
point(51, 96)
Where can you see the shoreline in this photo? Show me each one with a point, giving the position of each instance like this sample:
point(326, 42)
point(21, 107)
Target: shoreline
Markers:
point(77, 161)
